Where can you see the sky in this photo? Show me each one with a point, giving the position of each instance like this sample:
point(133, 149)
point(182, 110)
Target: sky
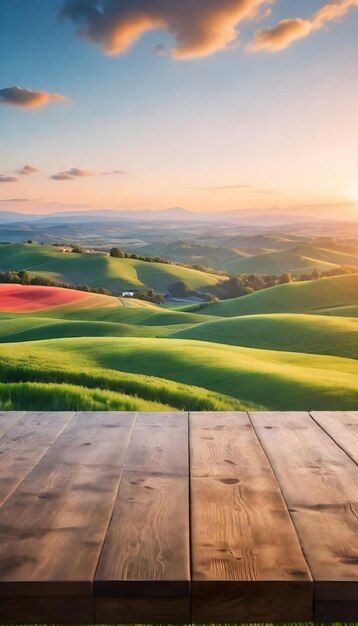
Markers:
point(211, 105)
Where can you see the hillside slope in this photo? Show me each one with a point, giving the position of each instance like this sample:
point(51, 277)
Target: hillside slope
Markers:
point(297, 260)
point(311, 334)
point(298, 297)
point(264, 378)
point(99, 270)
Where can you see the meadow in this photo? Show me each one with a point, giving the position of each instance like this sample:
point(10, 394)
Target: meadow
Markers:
point(291, 346)
point(99, 270)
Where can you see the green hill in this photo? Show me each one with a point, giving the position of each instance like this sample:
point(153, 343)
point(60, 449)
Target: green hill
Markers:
point(298, 297)
point(35, 328)
point(294, 333)
point(297, 260)
point(185, 374)
point(99, 270)
point(190, 253)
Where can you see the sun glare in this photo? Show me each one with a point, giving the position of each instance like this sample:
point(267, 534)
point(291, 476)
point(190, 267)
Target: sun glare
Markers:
point(352, 191)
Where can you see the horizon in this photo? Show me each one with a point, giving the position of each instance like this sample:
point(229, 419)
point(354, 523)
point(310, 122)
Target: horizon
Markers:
point(254, 113)
point(296, 213)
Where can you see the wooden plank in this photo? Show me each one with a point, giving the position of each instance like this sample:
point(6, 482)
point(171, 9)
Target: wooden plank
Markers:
point(25, 443)
point(342, 426)
point(320, 485)
point(53, 526)
point(247, 564)
point(161, 610)
point(21, 609)
point(144, 569)
point(8, 419)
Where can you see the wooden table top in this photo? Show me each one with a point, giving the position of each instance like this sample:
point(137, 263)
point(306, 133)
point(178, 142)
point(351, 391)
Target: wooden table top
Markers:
point(178, 518)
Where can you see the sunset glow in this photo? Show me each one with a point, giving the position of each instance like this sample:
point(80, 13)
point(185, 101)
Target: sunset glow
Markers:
point(171, 108)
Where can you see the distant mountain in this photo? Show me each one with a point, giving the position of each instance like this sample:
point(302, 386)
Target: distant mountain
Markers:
point(172, 214)
point(10, 217)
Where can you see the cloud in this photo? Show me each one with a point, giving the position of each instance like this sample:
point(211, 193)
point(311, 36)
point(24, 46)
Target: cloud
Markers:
point(27, 170)
point(7, 179)
point(74, 171)
point(72, 174)
point(289, 30)
point(200, 27)
point(27, 98)
point(62, 176)
point(16, 200)
point(114, 173)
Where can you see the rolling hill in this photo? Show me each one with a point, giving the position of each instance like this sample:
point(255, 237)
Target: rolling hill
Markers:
point(186, 374)
point(308, 334)
point(62, 349)
point(99, 270)
point(296, 260)
point(190, 253)
point(300, 297)
point(29, 298)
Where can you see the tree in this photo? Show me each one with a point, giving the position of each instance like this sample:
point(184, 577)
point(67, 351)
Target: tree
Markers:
point(103, 291)
point(77, 249)
point(285, 279)
point(180, 289)
point(25, 277)
point(159, 298)
point(117, 253)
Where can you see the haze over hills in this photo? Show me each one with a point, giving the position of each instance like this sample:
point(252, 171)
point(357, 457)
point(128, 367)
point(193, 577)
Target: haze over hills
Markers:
point(172, 214)
point(296, 260)
point(234, 248)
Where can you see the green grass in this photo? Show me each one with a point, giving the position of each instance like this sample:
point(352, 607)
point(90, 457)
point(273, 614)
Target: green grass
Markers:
point(39, 362)
point(37, 328)
point(99, 270)
point(64, 397)
point(351, 310)
point(157, 357)
point(311, 334)
point(261, 378)
point(297, 260)
point(298, 297)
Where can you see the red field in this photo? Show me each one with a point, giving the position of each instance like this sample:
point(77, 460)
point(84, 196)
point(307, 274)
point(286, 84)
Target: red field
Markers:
point(29, 298)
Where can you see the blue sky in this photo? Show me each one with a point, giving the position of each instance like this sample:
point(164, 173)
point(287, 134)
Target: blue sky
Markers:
point(229, 129)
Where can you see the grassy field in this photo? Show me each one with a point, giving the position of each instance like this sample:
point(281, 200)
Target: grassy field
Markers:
point(98, 270)
point(302, 297)
point(136, 355)
point(296, 260)
point(262, 378)
point(294, 333)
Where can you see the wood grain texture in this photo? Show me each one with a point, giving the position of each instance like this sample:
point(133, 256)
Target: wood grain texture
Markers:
point(25, 443)
point(320, 485)
point(8, 419)
point(94, 517)
point(342, 426)
point(53, 526)
point(146, 551)
point(159, 444)
point(247, 564)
